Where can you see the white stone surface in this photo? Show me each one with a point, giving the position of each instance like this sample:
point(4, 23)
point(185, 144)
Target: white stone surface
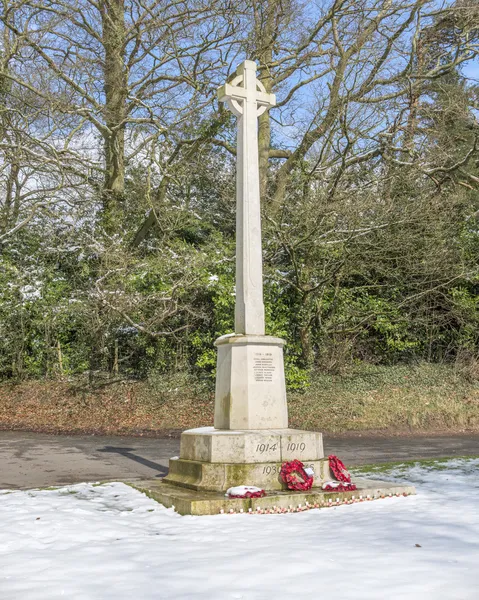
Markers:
point(247, 103)
point(250, 384)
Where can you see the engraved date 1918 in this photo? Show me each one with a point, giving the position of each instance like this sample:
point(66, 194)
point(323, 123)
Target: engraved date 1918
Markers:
point(294, 447)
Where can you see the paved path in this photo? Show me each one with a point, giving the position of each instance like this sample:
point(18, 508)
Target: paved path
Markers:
point(29, 460)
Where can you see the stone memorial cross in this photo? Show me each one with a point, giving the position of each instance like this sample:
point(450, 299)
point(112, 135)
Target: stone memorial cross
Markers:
point(250, 439)
point(247, 99)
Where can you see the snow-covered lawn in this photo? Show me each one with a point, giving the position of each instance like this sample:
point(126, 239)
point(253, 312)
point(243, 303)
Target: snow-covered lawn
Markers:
point(111, 542)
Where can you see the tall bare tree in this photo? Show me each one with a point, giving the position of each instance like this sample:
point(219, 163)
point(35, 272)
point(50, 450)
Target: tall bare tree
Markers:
point(40, 170)
point(129, 70)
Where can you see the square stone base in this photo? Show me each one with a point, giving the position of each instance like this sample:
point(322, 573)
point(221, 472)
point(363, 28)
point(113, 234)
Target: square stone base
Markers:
point(189, 502)
point(217, 459)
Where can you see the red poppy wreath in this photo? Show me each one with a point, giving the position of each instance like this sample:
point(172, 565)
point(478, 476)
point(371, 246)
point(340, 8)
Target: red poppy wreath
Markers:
point(338, 469)
point(295, 477)
point(343, 483)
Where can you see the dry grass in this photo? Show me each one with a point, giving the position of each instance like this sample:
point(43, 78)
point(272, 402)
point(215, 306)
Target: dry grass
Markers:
point(119, 408)
point(425, 398)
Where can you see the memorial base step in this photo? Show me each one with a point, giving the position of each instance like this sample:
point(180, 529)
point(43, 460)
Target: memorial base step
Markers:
point(208, 476)
point(190, 502)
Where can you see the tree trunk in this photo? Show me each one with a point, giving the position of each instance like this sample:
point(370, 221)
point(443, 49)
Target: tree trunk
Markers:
point(5, 87)
point(414, 101)
point(60, 358)
point(116, 91)
point(10, 197)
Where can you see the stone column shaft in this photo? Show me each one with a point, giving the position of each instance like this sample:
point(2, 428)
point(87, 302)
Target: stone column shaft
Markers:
point(249, 308)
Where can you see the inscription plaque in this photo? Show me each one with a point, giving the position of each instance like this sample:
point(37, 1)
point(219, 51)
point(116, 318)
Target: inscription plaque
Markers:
point(263, 366)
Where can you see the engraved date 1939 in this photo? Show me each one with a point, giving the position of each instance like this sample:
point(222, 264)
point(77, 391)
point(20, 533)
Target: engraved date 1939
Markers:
point(275, 469)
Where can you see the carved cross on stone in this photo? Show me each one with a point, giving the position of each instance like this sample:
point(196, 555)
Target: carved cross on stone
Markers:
point(248, 99)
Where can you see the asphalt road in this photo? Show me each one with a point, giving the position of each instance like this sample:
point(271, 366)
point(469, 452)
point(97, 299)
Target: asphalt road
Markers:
point(30, 460)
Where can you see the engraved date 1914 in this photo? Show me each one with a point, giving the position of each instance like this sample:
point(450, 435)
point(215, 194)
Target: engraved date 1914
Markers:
point(262, 448)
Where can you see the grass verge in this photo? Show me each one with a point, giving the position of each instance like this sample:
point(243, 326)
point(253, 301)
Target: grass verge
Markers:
point(437, 464)
point(401, 399)
point(425, 397)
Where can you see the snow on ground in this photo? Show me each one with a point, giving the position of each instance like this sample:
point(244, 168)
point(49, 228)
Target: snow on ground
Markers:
point(111, 542)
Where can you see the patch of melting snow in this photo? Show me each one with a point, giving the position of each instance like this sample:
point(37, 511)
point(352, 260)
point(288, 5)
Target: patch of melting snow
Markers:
point(31, 292)
point(102, 542)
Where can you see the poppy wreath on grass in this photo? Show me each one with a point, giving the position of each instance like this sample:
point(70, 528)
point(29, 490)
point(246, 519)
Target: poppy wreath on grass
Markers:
point(295, 477)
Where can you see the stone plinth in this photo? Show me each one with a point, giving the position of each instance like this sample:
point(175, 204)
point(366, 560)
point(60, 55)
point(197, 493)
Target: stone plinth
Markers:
point(215, 460)
point(207, 444)
point(250, 385)
point(189, 502)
